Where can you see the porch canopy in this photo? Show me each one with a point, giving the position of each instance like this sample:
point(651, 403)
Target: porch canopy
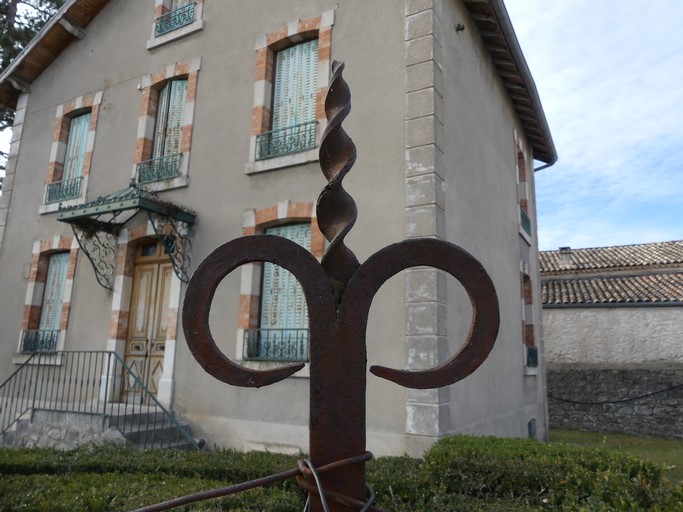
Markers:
point(96, 225)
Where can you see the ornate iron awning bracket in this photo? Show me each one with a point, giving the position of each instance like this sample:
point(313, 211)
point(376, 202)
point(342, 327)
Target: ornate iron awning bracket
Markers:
point(339, 292)
point(97, 224)
point(100, 248)
point(174, 235)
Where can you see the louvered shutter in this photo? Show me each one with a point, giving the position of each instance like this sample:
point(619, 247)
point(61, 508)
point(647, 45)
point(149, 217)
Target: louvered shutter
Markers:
point(170, 110)
point(283, 305)
point(296, 78)
point(76, 146)
point(51, 311)
point(160, 125)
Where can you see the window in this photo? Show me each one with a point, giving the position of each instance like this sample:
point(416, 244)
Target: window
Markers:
point(282, 334)
point(180, 14)
point(294, 102)
point(69, 186)
point(174, 19)
point(288, 116)
point(46, 337)
point(166, 145)
point(523, 194)
point(73, 142)
point(162, 151)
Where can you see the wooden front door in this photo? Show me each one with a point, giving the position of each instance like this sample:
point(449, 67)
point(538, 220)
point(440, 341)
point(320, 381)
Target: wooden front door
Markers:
point(148, 321)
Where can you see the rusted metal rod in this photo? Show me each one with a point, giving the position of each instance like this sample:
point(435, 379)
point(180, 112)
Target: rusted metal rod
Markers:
point(339, 292)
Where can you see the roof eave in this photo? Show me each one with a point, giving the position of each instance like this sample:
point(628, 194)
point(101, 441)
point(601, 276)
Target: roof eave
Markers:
point(496, 30)
point(64, 27)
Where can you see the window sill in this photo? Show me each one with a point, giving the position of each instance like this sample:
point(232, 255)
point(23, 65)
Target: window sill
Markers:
point(531, 370)
point(179, 33)
point(53, 207)
point(282, 162)
point(168, 184)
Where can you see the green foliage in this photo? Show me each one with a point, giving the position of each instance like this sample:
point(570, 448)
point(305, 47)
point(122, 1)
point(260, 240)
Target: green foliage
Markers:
point(550, 476)
point(459, 474)
point(666, 451)
point(20, 21)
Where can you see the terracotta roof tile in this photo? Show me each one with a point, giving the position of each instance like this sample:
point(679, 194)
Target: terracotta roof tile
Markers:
point(653, 288)
point(612, 258)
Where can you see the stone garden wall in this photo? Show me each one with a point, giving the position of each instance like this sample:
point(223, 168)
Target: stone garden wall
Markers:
point(631, 400)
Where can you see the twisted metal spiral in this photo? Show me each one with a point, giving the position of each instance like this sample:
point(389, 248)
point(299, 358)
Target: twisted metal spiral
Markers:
point(336, 209)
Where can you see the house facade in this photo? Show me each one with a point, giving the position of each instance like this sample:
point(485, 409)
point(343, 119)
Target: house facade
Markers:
point(148, 133)
point(612, 318)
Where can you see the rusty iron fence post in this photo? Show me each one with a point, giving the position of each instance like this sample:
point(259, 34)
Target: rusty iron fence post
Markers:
point(339, 292)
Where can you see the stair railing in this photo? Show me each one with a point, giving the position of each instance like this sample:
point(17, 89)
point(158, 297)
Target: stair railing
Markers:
point(96, 383)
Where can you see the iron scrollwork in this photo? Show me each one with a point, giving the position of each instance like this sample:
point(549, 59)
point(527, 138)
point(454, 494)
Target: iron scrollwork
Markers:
point(100, 248)
point(174, 235)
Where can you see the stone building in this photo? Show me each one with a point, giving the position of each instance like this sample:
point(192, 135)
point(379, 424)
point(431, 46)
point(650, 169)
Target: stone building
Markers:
point(148, 133)
point(612, 323)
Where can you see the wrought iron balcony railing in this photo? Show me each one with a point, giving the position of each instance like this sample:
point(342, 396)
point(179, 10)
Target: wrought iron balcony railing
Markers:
point(525, 221)
point(286, 140)
point(39, 341)
point(158, 169)
point(174, 20)
point(63, 190)
point(275, 345)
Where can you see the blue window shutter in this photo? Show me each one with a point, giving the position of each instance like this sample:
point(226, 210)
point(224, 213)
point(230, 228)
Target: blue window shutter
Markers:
point(174, 123)
point(169, 121)
point(283, 305)
point(53, 296)
point(160, 124)
point(76, 146)
point(296, 80)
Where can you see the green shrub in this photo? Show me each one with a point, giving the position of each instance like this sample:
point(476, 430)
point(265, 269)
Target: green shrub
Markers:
point(547, 475)
point(459, 474)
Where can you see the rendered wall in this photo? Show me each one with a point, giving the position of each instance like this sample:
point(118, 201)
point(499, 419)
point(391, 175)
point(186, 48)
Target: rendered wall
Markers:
point(437, 163)
point(461, 186)
point(613, 336)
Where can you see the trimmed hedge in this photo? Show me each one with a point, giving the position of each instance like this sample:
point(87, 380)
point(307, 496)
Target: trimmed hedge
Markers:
point(459, 474)
point(550, 476)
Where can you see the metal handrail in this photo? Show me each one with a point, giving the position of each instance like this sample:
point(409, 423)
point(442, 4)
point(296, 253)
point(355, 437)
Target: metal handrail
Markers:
point(91, 382)
point(285, 141)
point(275, 345)
point(39, 340)
point(63, 190)
point(174, 20)
point(157, 169)
point(199, 443)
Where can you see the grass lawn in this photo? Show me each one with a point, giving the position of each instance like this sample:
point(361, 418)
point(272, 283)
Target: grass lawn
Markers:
point(668, 451)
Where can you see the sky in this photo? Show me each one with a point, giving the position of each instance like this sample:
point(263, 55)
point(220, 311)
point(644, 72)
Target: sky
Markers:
point(610, 77)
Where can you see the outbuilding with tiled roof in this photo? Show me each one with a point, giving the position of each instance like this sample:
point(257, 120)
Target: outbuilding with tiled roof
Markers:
point(612, 323)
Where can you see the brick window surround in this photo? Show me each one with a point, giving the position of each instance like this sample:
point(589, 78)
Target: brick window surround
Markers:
point(256, 222)
point(89, 103)
point(42, 250)
point(150, 87)
point(163, 7)
point(269, 44)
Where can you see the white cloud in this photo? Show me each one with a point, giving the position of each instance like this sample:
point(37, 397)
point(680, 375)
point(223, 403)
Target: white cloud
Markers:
point(609, 76)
